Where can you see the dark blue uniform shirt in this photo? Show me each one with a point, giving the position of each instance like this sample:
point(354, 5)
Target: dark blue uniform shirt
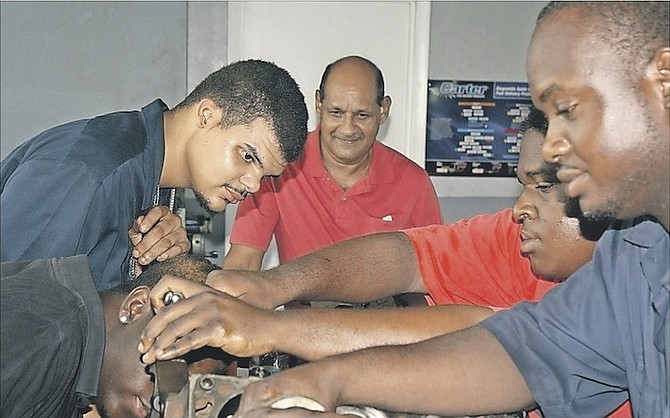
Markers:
point(53, 338)
point(77, 189)
point(603, 335)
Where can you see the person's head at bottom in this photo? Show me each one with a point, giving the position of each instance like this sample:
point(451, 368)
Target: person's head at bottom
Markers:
point(126, 386)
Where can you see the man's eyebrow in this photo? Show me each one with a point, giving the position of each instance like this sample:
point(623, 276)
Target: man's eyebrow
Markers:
point(548, 171)
point(254, 153)
point(547, 92)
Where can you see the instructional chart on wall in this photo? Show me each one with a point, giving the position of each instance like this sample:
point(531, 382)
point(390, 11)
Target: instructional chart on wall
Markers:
point(473, 127)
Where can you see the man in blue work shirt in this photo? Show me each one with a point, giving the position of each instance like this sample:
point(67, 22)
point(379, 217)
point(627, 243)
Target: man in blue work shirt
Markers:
point(79, 188)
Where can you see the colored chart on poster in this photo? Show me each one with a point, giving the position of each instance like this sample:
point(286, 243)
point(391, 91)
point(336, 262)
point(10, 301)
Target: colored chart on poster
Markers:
point(472, 127)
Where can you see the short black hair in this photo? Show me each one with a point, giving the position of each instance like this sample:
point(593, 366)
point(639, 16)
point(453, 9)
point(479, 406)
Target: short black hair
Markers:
point(251, 89)
point(537, 121)
point(187, 266)
point(635, 30)
point(377, 72)
point(534, 120)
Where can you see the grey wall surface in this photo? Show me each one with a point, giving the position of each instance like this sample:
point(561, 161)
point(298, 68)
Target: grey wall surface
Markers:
point(480, 41)
point(62, 61)
point(207, 39)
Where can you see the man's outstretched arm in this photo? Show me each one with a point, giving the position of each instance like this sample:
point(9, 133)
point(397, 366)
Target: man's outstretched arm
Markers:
point(209, 317)
point(463, 373)
point(357, 270)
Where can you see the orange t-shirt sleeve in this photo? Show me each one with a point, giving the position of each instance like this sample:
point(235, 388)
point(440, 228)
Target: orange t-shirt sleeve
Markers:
point(476, 261)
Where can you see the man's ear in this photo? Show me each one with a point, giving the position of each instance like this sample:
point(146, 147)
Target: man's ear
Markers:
point(317, 101)
point(135, 304)
point(659, 72)
point(385, 108)
point(208, 113)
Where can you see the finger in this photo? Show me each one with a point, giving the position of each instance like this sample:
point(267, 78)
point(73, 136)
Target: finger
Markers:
point(171, 245)
point(134, 232)
point(195, 320)
point(158, 238)
point(167, 348)
point(154, 215)
point(166, 327)
point(144, 224)
point(156, 326)
point(179, 248)
point(168, 238)
point(185, 287)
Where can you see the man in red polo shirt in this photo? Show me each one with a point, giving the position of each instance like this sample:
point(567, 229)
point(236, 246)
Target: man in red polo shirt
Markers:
point(345, 184)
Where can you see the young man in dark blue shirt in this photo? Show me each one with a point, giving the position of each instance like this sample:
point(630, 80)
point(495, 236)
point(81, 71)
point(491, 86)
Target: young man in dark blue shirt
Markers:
point(80, 187)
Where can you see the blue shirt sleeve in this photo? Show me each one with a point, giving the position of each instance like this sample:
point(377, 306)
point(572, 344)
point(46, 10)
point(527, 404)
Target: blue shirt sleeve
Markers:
point(598, 338)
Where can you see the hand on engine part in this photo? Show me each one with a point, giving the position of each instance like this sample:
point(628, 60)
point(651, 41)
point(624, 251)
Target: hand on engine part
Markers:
point(252, 287)
point(289, 387)
point(158, 235)
point(204, 317)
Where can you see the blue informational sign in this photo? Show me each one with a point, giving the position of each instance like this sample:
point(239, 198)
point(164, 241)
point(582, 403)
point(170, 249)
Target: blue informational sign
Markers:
point(473, 127)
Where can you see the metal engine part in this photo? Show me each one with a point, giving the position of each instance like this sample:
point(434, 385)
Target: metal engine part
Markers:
point(178, 395)
point(207, 396)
